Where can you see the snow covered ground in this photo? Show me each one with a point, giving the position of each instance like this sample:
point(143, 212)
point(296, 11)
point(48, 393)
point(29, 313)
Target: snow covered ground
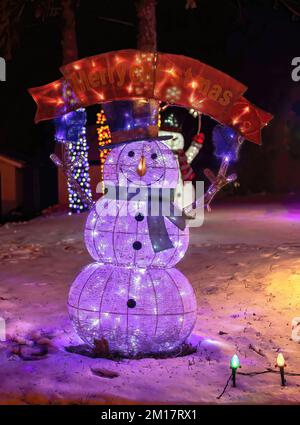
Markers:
point(244, 264)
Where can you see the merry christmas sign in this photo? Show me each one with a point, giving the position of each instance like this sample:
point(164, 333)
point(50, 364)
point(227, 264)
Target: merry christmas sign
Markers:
point(133, 74)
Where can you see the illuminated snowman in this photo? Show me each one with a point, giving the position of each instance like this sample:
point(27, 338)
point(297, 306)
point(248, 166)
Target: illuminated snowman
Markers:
point(132, 299)
point(117, 231)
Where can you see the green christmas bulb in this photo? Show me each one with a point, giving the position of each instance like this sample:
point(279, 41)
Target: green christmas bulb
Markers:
point(234, 362)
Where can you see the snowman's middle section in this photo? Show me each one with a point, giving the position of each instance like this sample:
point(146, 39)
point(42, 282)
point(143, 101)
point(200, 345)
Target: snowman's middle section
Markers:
point(124, 240)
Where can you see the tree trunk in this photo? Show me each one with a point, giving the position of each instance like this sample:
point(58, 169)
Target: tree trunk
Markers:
point(69, 54)
point(147, 25)
point(69, 42)
point(146, 41)
point(75, 154)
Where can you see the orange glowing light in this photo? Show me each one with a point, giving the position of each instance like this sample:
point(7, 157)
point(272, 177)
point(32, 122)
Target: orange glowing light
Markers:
point(118, 59)
point(141, 168)
point(194, 84)
point(104, 138)
point(171, 72)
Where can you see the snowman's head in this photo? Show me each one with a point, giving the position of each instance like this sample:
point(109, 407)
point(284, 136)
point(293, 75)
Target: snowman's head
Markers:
point(142, 163)
point(176, 140)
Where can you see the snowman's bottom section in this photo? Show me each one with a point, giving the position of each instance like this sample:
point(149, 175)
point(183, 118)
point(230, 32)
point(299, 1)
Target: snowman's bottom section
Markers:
point(132, 310)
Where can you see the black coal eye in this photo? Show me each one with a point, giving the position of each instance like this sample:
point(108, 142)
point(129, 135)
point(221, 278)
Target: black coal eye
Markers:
point(154, 156)
point(131, 303)
point(131, 154)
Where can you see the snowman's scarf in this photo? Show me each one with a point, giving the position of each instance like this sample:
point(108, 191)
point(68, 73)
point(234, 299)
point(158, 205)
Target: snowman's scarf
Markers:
point(158, 233)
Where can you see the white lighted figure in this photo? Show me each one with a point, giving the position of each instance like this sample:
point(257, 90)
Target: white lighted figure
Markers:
point(132, 300)
point(185, 192)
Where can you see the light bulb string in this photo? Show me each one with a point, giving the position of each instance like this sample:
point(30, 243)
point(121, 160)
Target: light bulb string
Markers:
point(268, 370)
point(225, 388)
point(67, 171)
point(262, 372)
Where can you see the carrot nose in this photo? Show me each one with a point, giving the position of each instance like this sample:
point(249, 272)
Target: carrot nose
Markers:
point(141, 168)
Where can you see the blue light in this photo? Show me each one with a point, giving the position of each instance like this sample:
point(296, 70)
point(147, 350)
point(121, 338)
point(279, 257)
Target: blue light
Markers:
point(70, 129)
point(226, 143)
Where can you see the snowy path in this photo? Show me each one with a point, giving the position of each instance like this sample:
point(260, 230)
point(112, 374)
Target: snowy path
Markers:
point(244, 265)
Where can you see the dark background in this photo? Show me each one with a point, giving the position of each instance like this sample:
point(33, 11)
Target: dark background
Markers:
point(253, 41)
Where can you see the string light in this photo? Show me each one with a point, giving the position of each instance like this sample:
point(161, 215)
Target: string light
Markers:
point(104, 138)
point(171, 121)
point(71, 132)
point(67, 170)
point(280, 363)
point(234, 362)
point(80, 172)
point(193, 112)
point(234, 365)
point(280, 360)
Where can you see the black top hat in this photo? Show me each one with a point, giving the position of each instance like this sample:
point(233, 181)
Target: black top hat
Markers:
point(132, 121)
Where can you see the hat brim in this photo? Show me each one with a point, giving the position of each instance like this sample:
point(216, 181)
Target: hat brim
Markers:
point(139, 139)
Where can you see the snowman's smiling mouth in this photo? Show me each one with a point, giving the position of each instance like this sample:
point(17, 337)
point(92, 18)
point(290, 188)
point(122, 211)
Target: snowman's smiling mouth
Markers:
point(132, 176)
